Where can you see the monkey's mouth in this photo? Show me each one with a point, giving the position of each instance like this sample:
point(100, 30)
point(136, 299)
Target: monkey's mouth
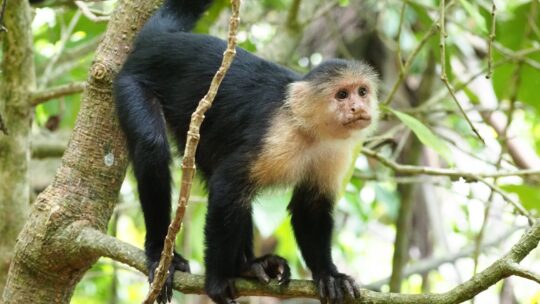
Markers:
point(358, 122)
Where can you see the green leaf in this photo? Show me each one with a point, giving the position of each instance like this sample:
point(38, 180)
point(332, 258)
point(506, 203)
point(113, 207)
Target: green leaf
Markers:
point(343, 3)
point(528, 195)
point(510, 33)
point(425, 135)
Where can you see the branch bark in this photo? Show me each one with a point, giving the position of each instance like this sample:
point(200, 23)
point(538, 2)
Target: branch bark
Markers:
point(99, 244)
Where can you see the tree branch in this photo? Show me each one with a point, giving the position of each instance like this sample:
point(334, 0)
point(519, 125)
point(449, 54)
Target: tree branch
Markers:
point(453, 174)
point(95, 242)
point(58, 91)
point(524, 273)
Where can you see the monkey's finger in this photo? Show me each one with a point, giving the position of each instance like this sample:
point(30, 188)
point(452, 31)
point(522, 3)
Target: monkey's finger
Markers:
point(285, 276)
point(331, 288)
point(349, 289)
point(260, 273)
point(322, 289)
point(339, 292)
point(231, 289)
point(355, 286)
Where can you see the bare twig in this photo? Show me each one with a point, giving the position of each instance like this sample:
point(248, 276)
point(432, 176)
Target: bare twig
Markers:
point(444, 77)
point(455, 174)
point(519, 208)
point(405, 67)
point(490, 41)
point(89, 14)
point(524, 273)
point(63, 41)
point(188, 161)
point(398, 37)
point(58, 91)
point(425, 266)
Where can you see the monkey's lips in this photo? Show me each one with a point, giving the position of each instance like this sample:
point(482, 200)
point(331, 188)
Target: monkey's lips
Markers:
point(358, 122)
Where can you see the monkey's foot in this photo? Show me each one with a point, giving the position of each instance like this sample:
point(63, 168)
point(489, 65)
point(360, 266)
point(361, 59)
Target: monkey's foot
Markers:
point(334, 287)
point(178, 263)
point(221, 291)
point(268, 267)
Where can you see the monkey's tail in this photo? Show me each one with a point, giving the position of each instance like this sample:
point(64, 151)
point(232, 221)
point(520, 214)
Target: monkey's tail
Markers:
point(179, 14)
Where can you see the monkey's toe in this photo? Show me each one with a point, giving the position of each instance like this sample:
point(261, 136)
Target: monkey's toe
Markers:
point(334, 288)
point(221, 291)
point(268, 267)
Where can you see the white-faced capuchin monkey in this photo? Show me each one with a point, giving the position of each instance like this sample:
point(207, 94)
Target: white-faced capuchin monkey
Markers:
point(268, 126)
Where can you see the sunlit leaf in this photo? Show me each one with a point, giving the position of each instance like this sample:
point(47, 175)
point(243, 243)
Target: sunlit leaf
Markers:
point(425, 135)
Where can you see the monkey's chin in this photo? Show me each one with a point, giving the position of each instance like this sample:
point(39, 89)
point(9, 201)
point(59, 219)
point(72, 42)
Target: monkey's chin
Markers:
point(358, 123)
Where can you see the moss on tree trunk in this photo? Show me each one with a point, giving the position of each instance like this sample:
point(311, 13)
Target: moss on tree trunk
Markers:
point(17, 84)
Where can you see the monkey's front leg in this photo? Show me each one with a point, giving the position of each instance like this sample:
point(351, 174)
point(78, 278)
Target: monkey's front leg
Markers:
point(312, 222)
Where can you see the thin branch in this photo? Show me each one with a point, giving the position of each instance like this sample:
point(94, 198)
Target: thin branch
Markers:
point(188, 161)
point(444, 77)
point(455, 174)
point(427, 265)
point(63, 41)
point(521, 210)
point(58, 91)
point(490, 41)
point(405, 67)
point(98, 243)
point(519, 271)
point(398, 37)
point(89, 14)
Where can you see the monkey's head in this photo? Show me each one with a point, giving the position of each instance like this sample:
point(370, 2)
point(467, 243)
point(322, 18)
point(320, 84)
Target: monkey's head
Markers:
point(337, 99)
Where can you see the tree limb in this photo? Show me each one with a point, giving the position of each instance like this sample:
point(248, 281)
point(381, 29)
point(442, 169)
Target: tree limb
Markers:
point(97, 243)
point(58, 91)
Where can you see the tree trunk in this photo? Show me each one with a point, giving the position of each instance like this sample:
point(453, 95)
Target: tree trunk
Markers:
point(47, 262)
point(17, 84)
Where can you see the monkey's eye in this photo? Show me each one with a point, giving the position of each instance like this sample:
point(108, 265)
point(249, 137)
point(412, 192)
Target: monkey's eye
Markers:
point(342, 94)
point(362, 92)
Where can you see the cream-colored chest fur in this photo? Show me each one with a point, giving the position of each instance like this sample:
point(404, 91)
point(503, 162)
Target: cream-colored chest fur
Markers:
point(290, 157)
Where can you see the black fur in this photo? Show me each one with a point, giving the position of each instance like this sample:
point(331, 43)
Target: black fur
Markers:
point(159, 86)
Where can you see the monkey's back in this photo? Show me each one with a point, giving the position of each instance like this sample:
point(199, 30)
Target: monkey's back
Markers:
point(177, 68)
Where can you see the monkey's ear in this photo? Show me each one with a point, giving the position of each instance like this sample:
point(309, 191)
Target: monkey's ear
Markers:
point(299, 90)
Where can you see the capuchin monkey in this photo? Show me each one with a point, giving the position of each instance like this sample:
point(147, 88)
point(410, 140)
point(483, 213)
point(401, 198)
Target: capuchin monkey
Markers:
point(268, 126)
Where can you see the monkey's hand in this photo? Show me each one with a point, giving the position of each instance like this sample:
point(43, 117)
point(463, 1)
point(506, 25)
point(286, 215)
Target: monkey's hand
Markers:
point(334, 287)
point(268, 267)
point(178, 263)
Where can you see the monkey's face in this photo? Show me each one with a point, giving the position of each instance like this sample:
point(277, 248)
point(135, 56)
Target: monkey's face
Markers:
point(344, 107)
